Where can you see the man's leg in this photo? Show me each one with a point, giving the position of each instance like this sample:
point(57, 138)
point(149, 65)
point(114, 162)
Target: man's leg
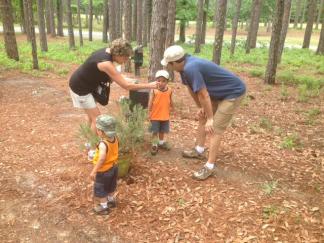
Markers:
point(92, 115)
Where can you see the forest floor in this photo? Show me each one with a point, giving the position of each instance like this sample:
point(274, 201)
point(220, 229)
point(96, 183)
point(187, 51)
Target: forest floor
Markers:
point(262, 192)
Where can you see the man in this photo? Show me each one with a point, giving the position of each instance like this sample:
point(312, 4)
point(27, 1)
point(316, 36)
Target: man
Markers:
point(216, 91)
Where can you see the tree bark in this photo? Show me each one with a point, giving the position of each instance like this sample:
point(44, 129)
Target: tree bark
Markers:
point(80, 23)
point(134, 20)
point(284, 30)
point(298, 12)
point(303, 15)
point(270, 74)
point(158, 36)
point(220, 28)
point(105, 21)
point(32, 33)
point(254, 25)
point(234, 25)
point(320, 48)
point(199, 24)
point(205, 20)
point(26, 20)
point(112, 20)
point(319, 14)
point(70, 25)
point(41, 25)
point(171, 22)
point(310, 22)
point(139, 30)
point(118, 19)
point(145, 23)
point(149, 18)
point(90, 19)
point(128, 28)
point(47, 16)
point(22, 16)
point(59, 18)
point(52, 18)
point(6, 11)
point(182, 33)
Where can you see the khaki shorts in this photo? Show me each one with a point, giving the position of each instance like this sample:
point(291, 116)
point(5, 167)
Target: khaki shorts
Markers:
point(223, 112)
point(83, 101)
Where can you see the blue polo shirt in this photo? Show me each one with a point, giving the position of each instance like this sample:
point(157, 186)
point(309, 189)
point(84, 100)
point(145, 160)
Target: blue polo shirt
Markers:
point(221, 84)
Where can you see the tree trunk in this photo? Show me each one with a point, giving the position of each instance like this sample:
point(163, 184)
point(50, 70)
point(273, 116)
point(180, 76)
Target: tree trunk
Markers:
point(80, 23)
point(284, 30)
point(139, 31)
point(90, 19)
point(118, 19)
point(220, 28)
point(234, 25)
point(59, 8)
point(205, 20)
point(182, 33)
point(171, 24)
point(112, 20)
point(199, 23)
point(22, 16)
point(105, 21)
point(26, 20)
point(47, 16)
point(8, 29)
point(319, 14)
point(52, 18)
point(269, 26)
point(320, 48)
point(215, 16)
point(303, 14)
point(158, 36)
point(149, 18)
point(134, 20)
point(41, 25)
point(310, 22)
point(254, 25)
point(32, 33)
point(298, 12)
point(70, 24)
point(128, 28)
point(270, 75)
point(145, 23)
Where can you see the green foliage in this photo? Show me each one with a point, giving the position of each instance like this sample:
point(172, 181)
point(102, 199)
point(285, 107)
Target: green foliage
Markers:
point(87, 135)
point(131, 126)
point(270, 211)
point(291, 141)
point(269, 187)
point(284, 92)
point(265, 123)
point(311, 116)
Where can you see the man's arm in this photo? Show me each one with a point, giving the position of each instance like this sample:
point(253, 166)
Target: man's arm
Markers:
point(194, 96)
point(205, 102)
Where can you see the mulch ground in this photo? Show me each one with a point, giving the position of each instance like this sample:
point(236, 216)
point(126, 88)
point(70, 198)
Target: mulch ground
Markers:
point(261, 193)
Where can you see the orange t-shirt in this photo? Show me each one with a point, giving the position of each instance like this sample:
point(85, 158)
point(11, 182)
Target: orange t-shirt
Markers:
point(161, 105)
point(111, 156)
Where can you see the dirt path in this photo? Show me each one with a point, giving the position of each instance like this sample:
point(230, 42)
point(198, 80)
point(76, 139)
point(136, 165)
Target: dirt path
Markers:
point(46, 192)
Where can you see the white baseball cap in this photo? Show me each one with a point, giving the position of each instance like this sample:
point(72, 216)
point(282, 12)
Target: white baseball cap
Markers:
point(172, 54)
point(162, 73)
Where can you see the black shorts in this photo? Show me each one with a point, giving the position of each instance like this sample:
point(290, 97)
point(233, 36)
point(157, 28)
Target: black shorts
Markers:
point(106, 182)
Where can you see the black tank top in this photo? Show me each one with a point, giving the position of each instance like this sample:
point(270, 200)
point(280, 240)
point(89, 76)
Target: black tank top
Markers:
point(87, 77)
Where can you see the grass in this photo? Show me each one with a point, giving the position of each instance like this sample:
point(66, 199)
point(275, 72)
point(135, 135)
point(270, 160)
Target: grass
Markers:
point(270, 211)
point(312, 115)
point(291, 141)
point(269, 187)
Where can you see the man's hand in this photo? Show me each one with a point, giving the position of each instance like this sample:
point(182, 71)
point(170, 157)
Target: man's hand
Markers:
point(209, 126)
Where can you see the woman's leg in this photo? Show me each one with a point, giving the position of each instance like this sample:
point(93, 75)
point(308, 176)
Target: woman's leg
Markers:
point(92, 115)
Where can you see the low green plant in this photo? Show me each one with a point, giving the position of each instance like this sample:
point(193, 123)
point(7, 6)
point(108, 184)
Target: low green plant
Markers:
point(257, 72)
point(131, 126)
point(291, 141)
point(284, 92)
point(269, 187)
point(270, 211)
point(265, 123)
point(311, 115)
point(254, 129)
point(88, 135)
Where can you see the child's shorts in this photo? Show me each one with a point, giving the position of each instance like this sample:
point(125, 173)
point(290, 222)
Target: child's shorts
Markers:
point(160, 126)
point(106, 182)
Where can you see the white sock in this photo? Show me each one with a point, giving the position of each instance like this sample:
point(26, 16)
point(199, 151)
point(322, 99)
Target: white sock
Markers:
point(209, 165)
point(161, 142)
point(111, 198)
point(200, 149)
point(104, 204)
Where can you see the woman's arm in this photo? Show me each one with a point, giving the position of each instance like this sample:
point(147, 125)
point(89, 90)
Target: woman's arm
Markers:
point(150, 101)
point(110, 69)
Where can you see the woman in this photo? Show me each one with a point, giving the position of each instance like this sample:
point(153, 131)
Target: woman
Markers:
point(99, 68)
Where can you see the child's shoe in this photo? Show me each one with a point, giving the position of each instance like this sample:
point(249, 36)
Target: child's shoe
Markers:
point(112, 203)
point(154, 149)
point(165, 146)
point(99, 209)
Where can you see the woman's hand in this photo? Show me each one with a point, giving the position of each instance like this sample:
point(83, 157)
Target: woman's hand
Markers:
point(153, 85)
point(93, 175)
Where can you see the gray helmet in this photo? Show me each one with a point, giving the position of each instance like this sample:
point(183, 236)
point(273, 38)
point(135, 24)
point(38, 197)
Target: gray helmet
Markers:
point(107, 124)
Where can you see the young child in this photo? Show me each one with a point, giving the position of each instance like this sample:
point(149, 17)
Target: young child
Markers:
point(105, 169)
point(159, 106)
